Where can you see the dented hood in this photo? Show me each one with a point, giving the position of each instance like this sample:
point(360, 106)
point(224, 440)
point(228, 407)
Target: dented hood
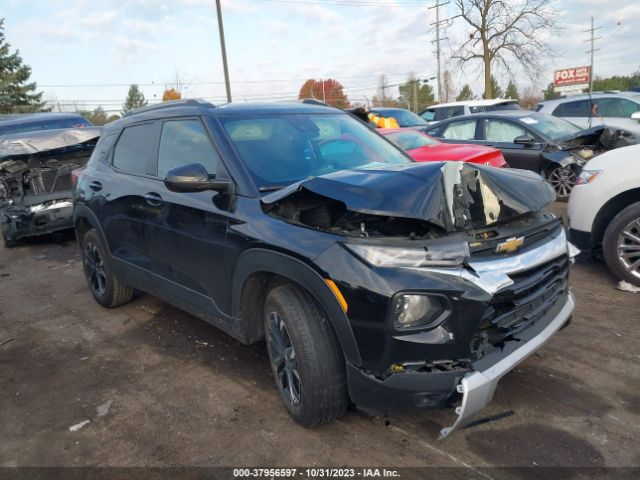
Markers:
point(451, 195)
point(607, 137)
point(30, 143)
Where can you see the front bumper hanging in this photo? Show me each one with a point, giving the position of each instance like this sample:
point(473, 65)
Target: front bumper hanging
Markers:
point(477, 388)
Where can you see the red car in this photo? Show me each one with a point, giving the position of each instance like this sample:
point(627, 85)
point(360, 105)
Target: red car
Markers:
point(423, 148)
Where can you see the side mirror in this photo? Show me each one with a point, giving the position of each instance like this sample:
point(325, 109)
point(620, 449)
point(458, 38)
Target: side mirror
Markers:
point(192, 178)
point(523, 140)
point(635, 116)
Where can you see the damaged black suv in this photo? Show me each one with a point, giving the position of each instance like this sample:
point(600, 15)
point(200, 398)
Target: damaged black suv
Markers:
point(374, 279)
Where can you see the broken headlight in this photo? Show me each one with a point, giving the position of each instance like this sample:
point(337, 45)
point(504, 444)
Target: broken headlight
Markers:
point(588, 176)
point(411, 311)
point(445, 255)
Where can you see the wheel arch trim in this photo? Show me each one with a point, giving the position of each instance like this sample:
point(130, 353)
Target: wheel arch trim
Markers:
point(261, 260)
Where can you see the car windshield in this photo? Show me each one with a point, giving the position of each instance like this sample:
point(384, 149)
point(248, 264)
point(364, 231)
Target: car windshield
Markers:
point(281, 149)
point(405, 118)
point(409, 140)
point(549, 126)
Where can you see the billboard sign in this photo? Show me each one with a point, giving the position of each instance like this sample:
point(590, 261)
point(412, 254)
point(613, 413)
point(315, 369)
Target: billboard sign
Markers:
point(571, 78)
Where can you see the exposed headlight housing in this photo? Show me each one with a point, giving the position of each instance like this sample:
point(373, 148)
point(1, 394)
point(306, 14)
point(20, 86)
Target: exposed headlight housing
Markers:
point(411, 311)
point(446, 255)
point(588, 176)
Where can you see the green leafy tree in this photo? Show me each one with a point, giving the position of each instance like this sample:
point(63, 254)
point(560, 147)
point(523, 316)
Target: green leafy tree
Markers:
point(617, 82)
point(135, 99)
point(495, 88)
point(330, 91)
point(512, 91)
point(465, 94)
point(17, 94)
point(416, 94)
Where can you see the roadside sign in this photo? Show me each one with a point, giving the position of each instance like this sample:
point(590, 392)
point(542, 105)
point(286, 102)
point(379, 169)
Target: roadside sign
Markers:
point(574, 78)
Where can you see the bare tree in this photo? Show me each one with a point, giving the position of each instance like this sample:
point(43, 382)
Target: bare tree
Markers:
point(448, 91)
point(508, 34)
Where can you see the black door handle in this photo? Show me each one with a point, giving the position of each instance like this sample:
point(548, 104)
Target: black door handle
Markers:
point(153, 199)
point(96, 186)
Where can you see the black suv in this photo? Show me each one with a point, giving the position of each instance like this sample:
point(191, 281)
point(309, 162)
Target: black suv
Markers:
point(372, 278)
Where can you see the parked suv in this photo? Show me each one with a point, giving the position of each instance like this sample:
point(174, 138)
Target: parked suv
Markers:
point(443, 111)
point(373, 278)
point(604, 211)
point(614, 109)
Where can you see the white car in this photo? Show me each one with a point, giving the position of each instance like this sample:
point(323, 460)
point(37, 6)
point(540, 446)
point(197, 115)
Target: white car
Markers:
point(614, 109)
point(604, 211)
point(435, 113)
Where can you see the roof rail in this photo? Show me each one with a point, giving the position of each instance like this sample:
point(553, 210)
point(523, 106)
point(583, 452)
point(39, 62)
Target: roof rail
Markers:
point(314, 101)
point(189, 102)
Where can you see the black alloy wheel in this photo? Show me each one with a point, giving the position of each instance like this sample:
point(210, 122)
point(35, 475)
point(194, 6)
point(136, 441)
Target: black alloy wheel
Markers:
point(283, 359)
point(94, 269)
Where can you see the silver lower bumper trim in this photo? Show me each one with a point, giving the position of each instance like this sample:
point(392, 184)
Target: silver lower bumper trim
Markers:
point(477, 388)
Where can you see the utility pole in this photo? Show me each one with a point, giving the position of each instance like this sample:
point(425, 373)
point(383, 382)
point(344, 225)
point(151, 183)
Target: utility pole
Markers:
point(438, 39)
point(224, 52)
point(592, 50)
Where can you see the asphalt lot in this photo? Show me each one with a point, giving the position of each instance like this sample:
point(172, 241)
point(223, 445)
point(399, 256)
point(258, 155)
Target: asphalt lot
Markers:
point(184, 393)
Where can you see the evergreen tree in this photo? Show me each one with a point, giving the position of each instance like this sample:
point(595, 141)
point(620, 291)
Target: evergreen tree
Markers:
point(465, 94)
point(135, 99)
point(17, 95)
point(512, 91)
point(416, 94)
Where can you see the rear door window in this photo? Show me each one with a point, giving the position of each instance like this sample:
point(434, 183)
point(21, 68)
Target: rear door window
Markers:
point(448, 112)
point(577, 108)
point(183, 142)
point(463, 130)
point(137, 149)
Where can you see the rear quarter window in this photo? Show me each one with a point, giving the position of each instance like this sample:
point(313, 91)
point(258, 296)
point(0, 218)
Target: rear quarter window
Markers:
point(137, 149)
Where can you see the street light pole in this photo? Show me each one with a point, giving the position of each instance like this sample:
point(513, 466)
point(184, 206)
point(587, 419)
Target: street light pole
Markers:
point(224, 52)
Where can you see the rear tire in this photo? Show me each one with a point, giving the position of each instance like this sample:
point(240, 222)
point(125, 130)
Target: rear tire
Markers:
point(621, 245)
point(104, 285)
point(306, 358)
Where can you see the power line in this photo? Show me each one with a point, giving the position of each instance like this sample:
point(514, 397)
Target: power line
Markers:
point(163, 84)
point(349, 3)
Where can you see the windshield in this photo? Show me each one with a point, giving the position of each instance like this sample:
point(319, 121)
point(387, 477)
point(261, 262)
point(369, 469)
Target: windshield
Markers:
point(549, 126)
point(405, 118)
point(280, 149)
point(410, 140)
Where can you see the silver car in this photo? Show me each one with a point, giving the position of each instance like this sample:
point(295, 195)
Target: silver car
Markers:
point(614, 109)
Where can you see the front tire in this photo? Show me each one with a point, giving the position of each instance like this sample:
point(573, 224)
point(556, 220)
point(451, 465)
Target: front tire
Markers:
point(305, 357)
point(621, 245)
point(104, 285)
point(562, 179)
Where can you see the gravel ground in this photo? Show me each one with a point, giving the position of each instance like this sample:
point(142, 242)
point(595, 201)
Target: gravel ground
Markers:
point(161, 388)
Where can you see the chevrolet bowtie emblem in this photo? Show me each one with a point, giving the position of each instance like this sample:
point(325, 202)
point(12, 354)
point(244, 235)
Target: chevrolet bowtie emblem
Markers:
point(510, 245)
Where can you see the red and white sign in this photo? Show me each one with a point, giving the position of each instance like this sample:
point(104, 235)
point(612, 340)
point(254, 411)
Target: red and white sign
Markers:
point(571, 77)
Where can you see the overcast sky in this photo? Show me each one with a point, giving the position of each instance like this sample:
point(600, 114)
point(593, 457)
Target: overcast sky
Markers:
point(86, 52)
